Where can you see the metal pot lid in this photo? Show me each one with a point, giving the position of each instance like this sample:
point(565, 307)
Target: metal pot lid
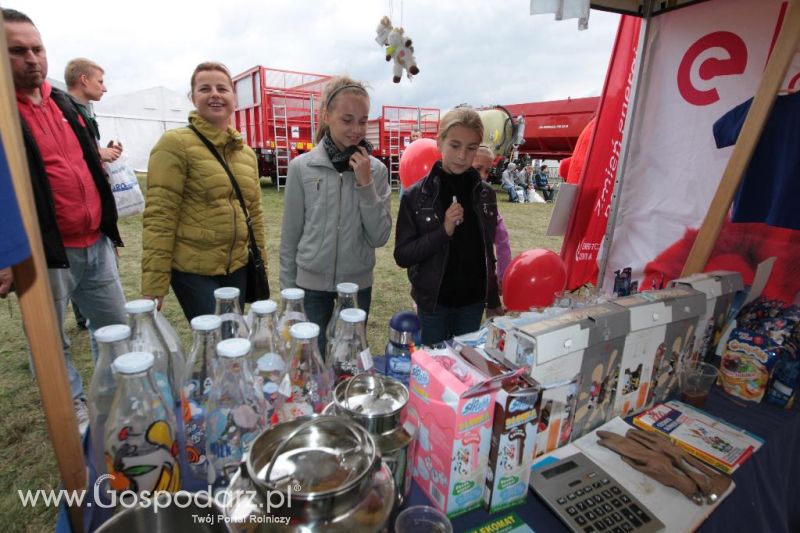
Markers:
point(317, 456)
point(371, 395)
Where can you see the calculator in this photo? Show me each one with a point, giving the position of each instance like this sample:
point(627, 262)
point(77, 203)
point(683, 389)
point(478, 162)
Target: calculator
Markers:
point(589, 500)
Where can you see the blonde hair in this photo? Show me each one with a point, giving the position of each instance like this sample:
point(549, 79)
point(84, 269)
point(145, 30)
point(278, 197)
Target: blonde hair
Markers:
point(336, 86)
point(460, 116)
point(78, 67)
point(209, 66)
point(485, 150)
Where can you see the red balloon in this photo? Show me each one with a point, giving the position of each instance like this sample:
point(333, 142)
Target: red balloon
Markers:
point(533, 279)
point(417, 160)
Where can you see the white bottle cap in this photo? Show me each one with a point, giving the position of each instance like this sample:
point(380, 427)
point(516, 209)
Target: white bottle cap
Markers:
point(233, 348)
point(112, 333)
point(227, 293)
point(269, 388)
point(206, 323)
point(347, 288)
point(353, 315)
point(292, 294)
point(270, 362)
point(133, 362)
point(263, 307)
point(137, 307)
point(304, 331)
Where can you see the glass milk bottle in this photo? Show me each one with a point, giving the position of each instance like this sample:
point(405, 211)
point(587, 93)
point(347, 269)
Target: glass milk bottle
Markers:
point(345, 299)
point(228, 309)
point(307, 387)
point(112, 341)
point(141, 449)
point(201, 366)
point(236, 411)
point(263, 330)
point(145, 337)
point(350, 353)
point(292, 312)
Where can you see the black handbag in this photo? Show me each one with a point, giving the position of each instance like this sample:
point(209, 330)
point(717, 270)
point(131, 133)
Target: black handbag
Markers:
point(257, 283)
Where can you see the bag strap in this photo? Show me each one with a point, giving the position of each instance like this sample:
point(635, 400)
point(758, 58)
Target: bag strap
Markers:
point(235, 185)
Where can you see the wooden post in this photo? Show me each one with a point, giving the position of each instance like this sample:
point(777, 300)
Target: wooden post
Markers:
point(778, 64)
point(36, 304)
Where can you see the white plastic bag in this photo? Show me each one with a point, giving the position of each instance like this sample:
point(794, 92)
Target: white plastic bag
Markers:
point(127, 194)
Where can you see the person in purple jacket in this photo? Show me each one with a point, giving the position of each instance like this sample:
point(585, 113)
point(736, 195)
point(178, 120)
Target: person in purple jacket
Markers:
point(484, 158)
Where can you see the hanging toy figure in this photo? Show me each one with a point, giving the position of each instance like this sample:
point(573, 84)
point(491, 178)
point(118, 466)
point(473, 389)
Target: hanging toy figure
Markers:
point(398, 47)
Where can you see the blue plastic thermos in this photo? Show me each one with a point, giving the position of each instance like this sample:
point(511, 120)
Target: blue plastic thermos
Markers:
point(404, 330)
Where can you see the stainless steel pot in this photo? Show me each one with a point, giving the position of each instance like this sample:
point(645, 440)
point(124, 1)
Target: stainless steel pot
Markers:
point(189, 512)
point(376, 403)
point(322, 473)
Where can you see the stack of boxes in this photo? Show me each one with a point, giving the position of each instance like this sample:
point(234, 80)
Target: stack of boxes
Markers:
point(481, 425)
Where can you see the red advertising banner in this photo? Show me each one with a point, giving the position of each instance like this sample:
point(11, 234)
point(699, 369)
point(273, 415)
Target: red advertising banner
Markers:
point(590, 215)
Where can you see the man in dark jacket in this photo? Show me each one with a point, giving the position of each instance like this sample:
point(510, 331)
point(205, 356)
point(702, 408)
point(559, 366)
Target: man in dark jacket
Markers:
point(74, 202)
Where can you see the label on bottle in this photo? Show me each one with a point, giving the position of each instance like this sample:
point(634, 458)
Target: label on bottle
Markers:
point(366, 359)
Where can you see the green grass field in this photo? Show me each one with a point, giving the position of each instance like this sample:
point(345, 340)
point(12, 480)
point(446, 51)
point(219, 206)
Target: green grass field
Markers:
point(26, 456)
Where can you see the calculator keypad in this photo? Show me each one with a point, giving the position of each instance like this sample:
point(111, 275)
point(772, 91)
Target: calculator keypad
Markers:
point(608, 509)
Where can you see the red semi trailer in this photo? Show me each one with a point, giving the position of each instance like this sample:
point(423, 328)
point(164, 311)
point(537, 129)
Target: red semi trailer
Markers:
point(276, 114)
point(392, 131)
point(552, 128)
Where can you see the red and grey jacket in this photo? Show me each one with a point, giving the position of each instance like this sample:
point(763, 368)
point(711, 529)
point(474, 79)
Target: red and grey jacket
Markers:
point(52, 240)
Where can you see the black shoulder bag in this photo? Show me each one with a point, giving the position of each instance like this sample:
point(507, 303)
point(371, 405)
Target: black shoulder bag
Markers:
point(257, 284)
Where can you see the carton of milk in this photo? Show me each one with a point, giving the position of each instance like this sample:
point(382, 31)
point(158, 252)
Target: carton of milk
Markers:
point(516, 417)
point(453, 404)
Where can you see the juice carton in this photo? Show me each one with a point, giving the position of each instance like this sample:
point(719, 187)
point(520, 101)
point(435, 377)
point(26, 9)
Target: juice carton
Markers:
point(663, 330)
point(720, 288)
point(516, 417)
point(454, 405)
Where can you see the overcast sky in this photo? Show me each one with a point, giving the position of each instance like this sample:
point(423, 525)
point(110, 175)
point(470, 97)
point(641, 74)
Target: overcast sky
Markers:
point(480, 53)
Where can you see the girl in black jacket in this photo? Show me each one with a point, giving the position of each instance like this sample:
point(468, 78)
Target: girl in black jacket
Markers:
point(445, 233)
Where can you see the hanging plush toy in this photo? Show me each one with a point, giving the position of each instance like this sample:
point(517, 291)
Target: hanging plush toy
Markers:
point(398, 47)
point(383, 30)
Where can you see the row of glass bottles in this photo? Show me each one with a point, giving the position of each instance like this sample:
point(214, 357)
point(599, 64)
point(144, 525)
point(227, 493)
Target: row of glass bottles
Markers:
point(307, 389)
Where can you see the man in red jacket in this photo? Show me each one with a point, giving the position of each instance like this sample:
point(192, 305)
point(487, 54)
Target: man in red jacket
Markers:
point(74, 203)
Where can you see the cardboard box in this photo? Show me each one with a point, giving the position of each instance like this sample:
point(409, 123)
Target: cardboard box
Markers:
point(516, 417)
point(720, 288)
point(600, 367)
point(574, 392)
point(663, 329)
point(498, 328)
point(453, 404)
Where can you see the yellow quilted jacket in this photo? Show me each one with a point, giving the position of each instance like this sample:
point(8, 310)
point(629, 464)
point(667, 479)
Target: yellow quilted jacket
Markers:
point(192, 220)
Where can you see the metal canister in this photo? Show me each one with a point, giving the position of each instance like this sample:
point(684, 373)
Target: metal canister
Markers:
point(376, 403)
point(318, 474)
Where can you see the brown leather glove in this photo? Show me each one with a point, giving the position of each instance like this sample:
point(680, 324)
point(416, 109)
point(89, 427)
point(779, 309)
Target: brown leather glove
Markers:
point(711, 483)
point(654, 464)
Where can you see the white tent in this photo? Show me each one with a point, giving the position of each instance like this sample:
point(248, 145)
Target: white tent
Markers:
point(138, 119)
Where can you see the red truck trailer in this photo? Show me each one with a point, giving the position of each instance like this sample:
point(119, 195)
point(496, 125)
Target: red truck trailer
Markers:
point(276, 114)
point(552, 128)
point(390, 133)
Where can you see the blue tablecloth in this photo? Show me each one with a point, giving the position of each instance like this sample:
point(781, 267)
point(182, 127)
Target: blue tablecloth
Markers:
point(766, 498)
point(767, 494)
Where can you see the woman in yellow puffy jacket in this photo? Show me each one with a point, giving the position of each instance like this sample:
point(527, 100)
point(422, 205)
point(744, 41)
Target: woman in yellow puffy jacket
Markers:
point(194, 230)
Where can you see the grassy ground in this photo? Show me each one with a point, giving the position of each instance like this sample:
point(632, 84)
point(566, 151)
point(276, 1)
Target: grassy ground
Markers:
point(26, 458)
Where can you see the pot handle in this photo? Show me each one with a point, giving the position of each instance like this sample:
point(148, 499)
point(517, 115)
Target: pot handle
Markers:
point(302, 427)
point(372, 391)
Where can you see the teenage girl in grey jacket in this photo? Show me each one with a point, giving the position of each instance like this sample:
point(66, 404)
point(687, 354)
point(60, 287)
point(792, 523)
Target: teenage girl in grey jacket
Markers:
point(337, 206)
